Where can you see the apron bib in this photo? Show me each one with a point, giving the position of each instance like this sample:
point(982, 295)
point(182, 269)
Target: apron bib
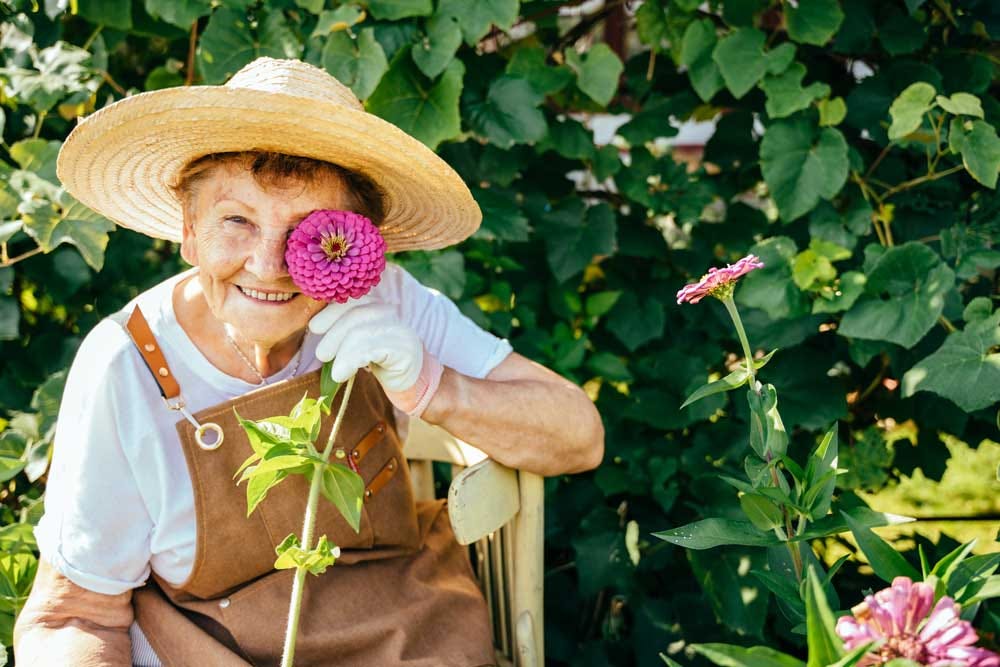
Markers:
point(402, 592)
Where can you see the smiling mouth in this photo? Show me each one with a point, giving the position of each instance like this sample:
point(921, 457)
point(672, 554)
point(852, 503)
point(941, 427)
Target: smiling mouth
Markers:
point(267, 297)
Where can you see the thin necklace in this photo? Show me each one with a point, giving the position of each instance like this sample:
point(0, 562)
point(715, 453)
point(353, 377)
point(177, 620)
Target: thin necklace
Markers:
point(263, 380)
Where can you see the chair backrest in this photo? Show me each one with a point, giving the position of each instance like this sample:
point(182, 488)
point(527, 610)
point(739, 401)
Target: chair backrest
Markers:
point(500, 512)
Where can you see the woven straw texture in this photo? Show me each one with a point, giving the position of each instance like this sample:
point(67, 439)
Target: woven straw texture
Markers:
point(120, 160)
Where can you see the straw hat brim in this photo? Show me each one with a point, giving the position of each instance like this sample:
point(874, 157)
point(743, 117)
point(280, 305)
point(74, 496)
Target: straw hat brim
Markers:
point(121, 160)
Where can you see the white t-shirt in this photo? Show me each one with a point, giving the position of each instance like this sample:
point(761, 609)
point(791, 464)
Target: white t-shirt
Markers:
point(119, 500)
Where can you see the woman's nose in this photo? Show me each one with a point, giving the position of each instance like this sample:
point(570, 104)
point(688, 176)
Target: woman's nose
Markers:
point(267, 261)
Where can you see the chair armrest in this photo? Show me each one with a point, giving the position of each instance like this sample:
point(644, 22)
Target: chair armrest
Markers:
point(481, 499)
point(426, 442)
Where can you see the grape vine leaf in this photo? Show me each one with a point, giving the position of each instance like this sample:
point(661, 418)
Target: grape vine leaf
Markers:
point(903, 297)
point(427, 110)
point(802, 163)
point(965, 369)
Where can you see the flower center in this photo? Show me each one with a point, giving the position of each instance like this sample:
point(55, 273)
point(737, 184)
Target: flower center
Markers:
point(334, 247)
point(903, 646)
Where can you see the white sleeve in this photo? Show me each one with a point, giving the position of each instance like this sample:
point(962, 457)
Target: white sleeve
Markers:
point(449, 335)
point(96, 528)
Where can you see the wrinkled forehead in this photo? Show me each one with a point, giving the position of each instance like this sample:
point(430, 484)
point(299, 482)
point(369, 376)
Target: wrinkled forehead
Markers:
point(229, 183)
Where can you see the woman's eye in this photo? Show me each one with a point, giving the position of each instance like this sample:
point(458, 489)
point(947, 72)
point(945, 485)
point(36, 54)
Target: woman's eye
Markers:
point(236, 219)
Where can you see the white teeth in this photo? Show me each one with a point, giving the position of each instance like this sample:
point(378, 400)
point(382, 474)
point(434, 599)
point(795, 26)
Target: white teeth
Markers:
point(263, 296)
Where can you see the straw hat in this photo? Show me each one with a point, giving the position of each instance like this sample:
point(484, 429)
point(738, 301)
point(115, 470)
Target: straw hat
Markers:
point(120, 160)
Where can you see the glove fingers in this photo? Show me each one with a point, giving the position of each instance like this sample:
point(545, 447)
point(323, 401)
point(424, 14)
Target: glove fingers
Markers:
point(326, 318)
point(359, 317)
point(354, 353)
point(395, 353)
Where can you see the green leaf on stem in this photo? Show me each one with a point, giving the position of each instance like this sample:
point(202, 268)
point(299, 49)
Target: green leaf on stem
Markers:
point(833, 524)
point(328, 387)
point(980, 149)
point(802, 163)
point(824, 644)
point(597, 72)
point(767, 432)
point(761, 511)
point(728, 655)
point(345, 489)
point(961, 104)
point(908, 109)
point(786, 94)
point(885, 560)
point(357, 61)
point(903, 298)
point(292, 555)
point(696, 54)
point(743, 62)
point(814, 22)
point(714, 532)
point(259, 485)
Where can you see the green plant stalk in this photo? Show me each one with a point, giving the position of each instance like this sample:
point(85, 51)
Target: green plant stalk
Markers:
point(730, 305)
point(309, 525)
point(741, 333)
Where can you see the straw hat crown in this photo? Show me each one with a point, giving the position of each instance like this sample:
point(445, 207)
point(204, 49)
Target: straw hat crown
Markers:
point(293, 77)
point(121, 160)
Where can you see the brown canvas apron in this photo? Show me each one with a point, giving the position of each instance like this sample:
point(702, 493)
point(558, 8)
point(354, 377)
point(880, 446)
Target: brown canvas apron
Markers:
point(402, 592)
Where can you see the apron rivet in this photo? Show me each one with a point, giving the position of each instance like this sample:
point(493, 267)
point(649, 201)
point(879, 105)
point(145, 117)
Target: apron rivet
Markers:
point(223, 603)
point(339, 453)
point(149, 347)
point(163, 372)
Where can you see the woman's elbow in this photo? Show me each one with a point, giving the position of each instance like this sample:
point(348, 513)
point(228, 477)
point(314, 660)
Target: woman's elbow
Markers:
point(592, 441)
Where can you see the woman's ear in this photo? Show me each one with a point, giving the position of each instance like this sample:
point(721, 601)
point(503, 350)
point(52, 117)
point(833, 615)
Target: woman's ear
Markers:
point(189, 245)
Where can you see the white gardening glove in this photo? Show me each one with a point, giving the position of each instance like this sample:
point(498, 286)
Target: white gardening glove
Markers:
point(367, 333)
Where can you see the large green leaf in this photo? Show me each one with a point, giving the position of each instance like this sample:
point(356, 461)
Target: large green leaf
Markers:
point(37, 156)
point(225, 46)
point(427, 110)
point(112, 13)
point(345, 489)
point(802, 163)
point(597, 72)
point(181, 13)
point(502, 218)
point(275, 38)
point(772, 288)
point(509, 114)
point(785, 93)
point(476, 16)
point(980, 148)
point(825, 647)
point(529, 63)
point(635, 321)
point(813, 21)
point(909, 107)
point(696, 54)
point(714, 532)
point(903, 298)
point(743, 62)
point(884, 559)
point(393, 10)
point(444, 36)
point(71, 222)
point(574, 236)
point(728, 655)
point(356, 61)
point(965, 369)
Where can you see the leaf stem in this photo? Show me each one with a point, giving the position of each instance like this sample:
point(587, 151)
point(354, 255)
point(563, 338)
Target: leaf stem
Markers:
point(192, 45)
point(38, 124)
point(307, 532)
point(93, 36)
point(14, 260)
point(906, 185)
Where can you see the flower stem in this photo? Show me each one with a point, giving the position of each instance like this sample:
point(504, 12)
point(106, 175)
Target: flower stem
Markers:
point(742, 334)
point(307, 532)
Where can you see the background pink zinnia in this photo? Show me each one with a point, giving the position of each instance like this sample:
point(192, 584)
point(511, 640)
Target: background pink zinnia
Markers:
point(898, 618)
point(335, 255)
point(718, 282)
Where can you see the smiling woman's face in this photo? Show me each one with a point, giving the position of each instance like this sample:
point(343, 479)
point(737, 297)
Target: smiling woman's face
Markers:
point(235, 232)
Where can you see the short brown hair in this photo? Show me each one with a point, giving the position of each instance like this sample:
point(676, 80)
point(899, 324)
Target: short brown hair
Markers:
point(271, 169)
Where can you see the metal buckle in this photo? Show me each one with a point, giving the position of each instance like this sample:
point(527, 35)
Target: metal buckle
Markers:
point(200, 429)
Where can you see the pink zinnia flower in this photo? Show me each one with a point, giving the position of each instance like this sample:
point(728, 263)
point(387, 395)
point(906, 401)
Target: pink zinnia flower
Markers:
point(898, 618)
point(719, 283)
point(335, 255)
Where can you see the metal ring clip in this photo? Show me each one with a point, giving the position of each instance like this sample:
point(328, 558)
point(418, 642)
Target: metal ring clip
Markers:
point(200, 429)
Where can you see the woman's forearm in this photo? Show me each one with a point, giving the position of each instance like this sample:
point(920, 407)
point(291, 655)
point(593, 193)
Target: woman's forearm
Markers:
point(523, 416)
point(64, 624)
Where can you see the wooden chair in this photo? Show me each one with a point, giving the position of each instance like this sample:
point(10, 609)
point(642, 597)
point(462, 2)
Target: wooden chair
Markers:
point(500, 511)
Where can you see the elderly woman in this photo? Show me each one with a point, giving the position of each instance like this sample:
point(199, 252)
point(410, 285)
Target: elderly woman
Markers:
point(147, 554)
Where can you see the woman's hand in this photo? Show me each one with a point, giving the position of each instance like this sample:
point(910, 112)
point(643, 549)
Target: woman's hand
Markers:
point(367, 333)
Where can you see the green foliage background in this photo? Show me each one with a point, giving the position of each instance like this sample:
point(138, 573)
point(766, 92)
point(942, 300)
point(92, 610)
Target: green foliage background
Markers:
point(855, 152)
